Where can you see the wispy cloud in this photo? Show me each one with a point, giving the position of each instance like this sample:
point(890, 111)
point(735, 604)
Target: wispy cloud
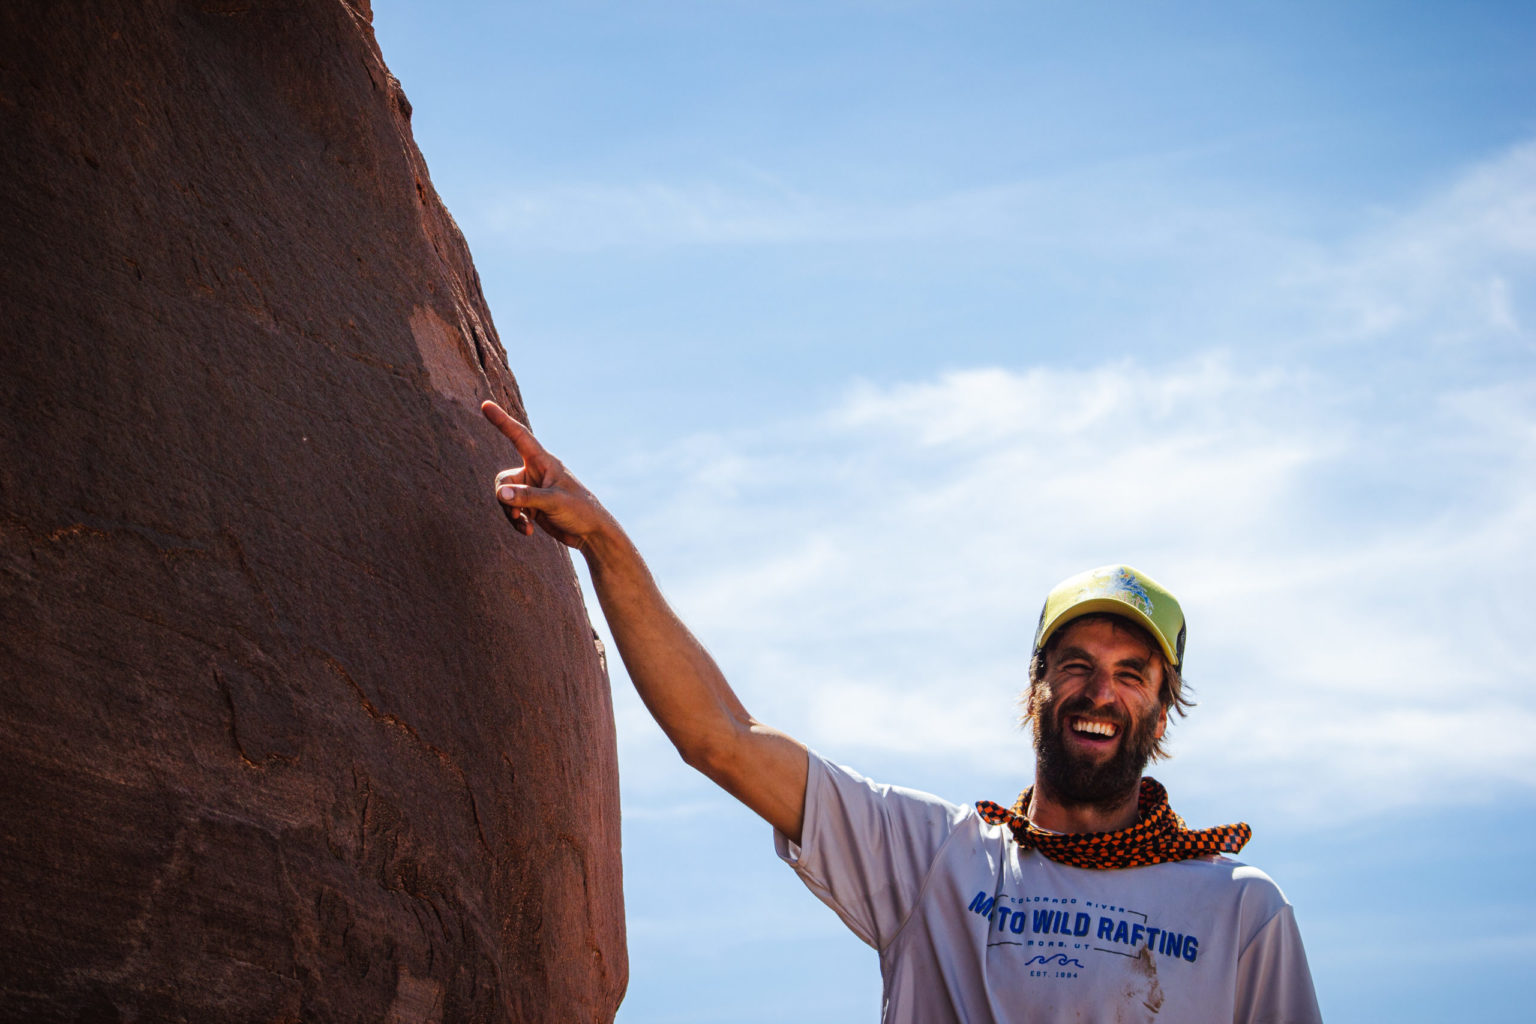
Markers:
point(1136, 205)
point(599, 216)
point(1454, 269)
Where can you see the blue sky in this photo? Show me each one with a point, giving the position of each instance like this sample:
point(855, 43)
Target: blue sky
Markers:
point(872, 320)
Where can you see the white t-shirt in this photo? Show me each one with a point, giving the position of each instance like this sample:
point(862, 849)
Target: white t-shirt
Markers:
point(972, 928)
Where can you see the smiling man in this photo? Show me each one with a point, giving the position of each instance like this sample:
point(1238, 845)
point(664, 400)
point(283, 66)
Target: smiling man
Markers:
point(1088, 900)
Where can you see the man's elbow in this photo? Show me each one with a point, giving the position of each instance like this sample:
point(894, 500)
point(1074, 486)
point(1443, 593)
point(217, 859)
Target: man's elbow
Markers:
point(717, 757)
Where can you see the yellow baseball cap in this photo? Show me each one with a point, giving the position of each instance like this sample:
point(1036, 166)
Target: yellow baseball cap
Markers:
point(1119, 590)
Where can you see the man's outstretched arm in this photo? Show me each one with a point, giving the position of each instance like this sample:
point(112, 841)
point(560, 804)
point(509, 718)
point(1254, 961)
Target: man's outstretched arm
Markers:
point(677, 679)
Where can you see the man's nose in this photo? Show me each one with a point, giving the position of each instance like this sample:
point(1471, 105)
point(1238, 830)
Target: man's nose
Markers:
point(1100, 686)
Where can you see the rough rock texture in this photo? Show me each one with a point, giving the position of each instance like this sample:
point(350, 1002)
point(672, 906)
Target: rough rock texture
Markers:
point(293, 726)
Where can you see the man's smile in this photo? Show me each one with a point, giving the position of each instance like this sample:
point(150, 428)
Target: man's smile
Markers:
point(1092, 729)
point(1091, 736)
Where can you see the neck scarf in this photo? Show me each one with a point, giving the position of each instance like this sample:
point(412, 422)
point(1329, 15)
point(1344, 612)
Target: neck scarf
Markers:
point(1157, 837)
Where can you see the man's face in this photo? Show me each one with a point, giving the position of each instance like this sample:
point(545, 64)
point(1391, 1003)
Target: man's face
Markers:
point(1100, 715)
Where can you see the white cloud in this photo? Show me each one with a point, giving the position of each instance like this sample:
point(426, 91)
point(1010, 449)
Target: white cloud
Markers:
point(885, 602)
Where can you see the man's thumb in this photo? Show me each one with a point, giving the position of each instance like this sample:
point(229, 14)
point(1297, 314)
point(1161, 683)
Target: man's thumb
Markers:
point(523, 496)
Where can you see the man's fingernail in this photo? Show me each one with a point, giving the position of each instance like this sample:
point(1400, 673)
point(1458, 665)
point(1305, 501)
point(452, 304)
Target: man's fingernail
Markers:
point(505, 494)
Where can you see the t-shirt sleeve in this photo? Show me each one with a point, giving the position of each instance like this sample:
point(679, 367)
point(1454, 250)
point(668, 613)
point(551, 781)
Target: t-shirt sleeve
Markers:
point(865, 848)
point(1274, 984)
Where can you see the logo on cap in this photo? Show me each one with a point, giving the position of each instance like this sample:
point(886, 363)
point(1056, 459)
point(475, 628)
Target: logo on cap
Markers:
point(1122, 586)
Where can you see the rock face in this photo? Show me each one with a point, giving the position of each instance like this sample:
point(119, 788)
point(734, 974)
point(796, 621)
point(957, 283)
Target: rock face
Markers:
point(293, 725)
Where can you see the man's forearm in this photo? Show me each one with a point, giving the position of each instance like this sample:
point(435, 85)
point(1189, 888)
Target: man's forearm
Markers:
point(675, 676)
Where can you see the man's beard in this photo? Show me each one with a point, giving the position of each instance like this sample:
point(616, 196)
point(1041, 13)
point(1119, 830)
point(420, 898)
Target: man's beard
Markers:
point(1077, 781)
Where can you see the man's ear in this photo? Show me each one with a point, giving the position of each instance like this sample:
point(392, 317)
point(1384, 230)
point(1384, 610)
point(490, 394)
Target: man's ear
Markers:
point(1162, 722)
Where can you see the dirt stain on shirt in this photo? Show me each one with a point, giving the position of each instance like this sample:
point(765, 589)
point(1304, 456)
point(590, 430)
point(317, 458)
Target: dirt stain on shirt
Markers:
point(1147, 966)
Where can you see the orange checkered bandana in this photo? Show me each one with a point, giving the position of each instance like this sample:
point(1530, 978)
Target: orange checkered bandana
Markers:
point(1159, 835)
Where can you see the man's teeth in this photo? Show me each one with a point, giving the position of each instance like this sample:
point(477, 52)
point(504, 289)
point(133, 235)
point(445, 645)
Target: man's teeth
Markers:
point(1097, 728)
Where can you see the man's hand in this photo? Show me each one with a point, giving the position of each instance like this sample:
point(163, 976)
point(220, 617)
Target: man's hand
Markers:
point(543, 491)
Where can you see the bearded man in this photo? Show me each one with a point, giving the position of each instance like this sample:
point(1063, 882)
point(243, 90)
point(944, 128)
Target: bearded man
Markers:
point(1088, 900)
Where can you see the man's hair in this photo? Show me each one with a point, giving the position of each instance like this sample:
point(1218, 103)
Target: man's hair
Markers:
point(1170, 694)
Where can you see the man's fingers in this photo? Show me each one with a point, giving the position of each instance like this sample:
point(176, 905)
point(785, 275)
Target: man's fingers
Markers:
point(521, 437)
point(512, 506)
point(510, 476)
point(519, 519)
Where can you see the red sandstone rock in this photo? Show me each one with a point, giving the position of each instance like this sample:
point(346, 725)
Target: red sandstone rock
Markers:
point(293, 726)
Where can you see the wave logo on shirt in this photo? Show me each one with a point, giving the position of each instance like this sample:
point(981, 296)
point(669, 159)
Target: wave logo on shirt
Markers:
point(1059, 960)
